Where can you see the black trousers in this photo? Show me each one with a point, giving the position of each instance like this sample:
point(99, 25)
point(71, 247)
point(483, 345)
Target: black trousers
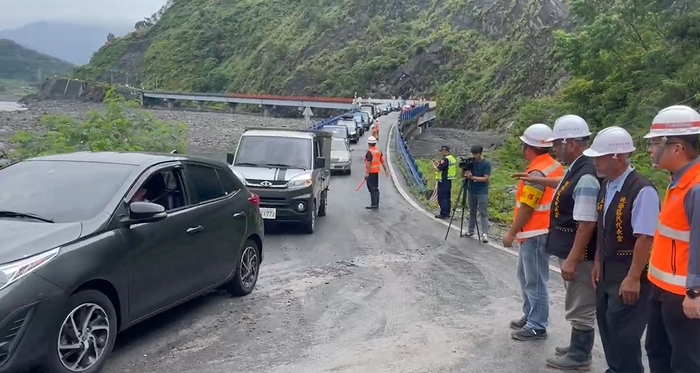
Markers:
point(673, 340)
point(373, 187)
point(444, 197)
point(621, 326)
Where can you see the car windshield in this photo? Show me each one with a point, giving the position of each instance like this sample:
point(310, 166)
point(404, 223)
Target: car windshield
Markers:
point(366, 116)
point(350, 124)
point(339, 145)
point(358, 117)
point(293, 152)
point(62, 191)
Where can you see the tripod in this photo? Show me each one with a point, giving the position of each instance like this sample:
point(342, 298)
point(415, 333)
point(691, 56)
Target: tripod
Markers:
point(465, 188)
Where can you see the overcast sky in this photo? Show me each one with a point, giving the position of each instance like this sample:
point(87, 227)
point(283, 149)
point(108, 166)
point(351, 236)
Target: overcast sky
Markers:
point(15, 13)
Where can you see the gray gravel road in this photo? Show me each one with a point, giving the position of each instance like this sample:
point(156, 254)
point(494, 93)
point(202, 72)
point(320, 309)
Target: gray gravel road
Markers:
point(370, 291)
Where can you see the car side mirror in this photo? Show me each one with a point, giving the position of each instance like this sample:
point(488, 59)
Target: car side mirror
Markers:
point(320, 162)
point(229, 158)
point(144, 212)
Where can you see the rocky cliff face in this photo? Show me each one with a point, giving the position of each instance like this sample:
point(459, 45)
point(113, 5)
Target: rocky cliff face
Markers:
point(476, 57)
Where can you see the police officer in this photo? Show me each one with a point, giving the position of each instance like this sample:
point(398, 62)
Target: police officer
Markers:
point(627, 212)
point(673, 333)
point(374, 161)
point(530, 227)
point(445, 172)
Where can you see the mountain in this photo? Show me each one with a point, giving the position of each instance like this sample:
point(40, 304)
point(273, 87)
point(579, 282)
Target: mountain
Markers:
point(20, 63)
point(71, 42)
point(476, 57)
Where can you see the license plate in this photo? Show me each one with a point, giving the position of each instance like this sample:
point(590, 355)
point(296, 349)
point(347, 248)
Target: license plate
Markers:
point(268, 213)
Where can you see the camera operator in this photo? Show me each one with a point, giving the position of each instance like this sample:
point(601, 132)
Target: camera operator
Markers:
point(477, 172)
point(445, 172)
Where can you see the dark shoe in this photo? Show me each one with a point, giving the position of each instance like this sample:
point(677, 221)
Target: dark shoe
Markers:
point(578, 356)
point(471, 234)
point(519, 323)
point(442, 216)
point(371, 207)
point(527, 334)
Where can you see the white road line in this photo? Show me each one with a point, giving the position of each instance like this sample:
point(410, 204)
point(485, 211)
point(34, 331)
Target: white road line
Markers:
point(420, 208)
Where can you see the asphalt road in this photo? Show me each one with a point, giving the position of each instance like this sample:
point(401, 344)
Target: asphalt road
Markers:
point(370, 291)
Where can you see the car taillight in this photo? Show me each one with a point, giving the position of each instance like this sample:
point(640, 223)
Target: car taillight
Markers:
point(254, 200)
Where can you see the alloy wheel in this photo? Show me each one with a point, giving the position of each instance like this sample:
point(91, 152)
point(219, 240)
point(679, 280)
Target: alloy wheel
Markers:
point(83, 337)
point(249, 267)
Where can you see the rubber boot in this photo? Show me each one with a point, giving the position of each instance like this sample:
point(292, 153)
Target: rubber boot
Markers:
point(578, 357)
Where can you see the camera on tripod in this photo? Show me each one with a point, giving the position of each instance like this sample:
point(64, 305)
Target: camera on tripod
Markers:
point(467, 164)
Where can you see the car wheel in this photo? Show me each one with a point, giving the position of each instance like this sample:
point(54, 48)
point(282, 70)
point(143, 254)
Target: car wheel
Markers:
point(323, 206)
point(310, 225)
point(349, 172)
point(86, 335)
point(247, 270)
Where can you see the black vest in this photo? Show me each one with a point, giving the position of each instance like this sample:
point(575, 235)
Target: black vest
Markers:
point(562, 226)
point(615, 234)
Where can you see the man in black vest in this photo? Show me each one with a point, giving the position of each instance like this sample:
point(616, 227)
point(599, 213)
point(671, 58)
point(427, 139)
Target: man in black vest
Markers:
point(571, 238)
point(628, 211)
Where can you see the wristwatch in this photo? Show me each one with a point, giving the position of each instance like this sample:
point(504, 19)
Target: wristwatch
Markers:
point(692, 293)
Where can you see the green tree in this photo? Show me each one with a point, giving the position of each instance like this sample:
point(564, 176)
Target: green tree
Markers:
point(115, 129)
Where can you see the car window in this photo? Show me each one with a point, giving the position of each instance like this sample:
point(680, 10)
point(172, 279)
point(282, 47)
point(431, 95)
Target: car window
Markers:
point(60, 190)
point(294, 152)
point(164, 188)
point(317, 149)
point(205, 183)
point(229, 181)
point(339, 145)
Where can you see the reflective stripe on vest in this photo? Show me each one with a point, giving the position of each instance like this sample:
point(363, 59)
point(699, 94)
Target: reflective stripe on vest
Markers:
point(375, 165)
point(451, 169)
point(539, 222)
point(668, 264)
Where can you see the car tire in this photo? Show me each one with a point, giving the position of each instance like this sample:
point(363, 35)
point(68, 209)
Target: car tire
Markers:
point(248, 259)
point(104, 315)
point(323, 206)
point(349, 172)
point(310, 225)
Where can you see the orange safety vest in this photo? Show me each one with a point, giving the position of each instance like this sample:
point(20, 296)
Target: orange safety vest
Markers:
point(539, 222)
point(377, 160)
point(668, 265)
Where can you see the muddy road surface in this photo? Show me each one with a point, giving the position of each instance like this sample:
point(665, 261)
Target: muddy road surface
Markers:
point(370, 291)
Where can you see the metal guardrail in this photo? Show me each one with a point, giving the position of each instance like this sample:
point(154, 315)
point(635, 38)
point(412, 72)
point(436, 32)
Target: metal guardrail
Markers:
point(415, 177)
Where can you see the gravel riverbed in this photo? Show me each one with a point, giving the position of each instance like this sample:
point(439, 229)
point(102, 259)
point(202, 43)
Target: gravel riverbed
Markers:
point(208, 131)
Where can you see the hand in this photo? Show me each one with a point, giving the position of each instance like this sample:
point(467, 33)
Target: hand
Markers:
point(508, 239)
point(691, 308)
point(595, 274)
point(468, 175)
point(387, 173)
point(524, 176)
point(366, 176)
point(629, 290)
point(568, 268)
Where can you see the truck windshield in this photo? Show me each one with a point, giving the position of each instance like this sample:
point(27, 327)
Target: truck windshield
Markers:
point(260, 151)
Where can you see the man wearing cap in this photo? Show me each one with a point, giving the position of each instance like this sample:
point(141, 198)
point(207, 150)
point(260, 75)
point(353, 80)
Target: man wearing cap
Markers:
point(478, 188)
point(673, 333)
point(530, 227)
point(445, 172)
point(628, 206)
point(374, 161)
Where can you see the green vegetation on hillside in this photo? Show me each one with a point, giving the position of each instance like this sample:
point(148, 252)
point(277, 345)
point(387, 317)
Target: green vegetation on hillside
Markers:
point(20, 63)
point(115, 129)
point(627, 60)
point(470, 56)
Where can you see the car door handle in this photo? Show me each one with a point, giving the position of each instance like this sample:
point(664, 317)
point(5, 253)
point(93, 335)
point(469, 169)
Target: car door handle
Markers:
point(239, 214)
point(196, 229)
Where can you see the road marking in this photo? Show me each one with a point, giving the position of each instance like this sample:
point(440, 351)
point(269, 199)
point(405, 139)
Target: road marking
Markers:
point(420, 208)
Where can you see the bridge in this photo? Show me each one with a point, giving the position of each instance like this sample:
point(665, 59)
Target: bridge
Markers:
point(270, 101)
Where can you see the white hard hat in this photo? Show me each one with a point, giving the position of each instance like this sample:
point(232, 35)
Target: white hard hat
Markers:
point(537, 135)
point(371, 140)
point(611, 140)
point(570, 127)
point(676, 120)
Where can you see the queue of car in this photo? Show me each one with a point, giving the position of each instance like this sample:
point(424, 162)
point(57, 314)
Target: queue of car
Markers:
point(96, 242)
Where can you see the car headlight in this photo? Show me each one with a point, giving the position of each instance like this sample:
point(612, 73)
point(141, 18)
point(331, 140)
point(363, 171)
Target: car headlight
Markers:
point(343, 159)
point(301, 181)
point(11, 272)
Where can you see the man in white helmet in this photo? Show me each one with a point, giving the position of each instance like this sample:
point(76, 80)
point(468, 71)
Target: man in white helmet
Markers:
point(627, 211)
point(374, 161)
point(530, 227)
point(673, 333)
point(571, 237)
